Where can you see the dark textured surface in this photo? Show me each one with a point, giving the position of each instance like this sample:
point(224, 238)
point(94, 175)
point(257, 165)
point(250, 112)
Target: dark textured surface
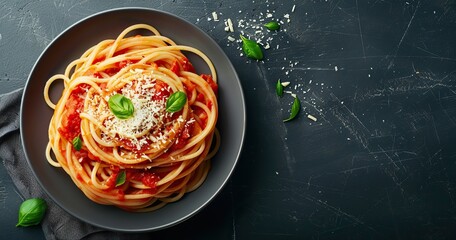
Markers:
point(379, 163)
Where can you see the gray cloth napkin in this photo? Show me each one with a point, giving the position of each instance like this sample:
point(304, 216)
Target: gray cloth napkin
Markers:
point(57, 223)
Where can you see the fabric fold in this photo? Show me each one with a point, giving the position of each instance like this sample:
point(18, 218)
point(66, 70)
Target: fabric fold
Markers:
point(57, 223)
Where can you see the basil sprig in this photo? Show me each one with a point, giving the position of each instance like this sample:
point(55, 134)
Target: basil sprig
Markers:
point(279, 88)
point(176, 101)
point(294, 109)
point(31, 212)
point(121, 177)
point(121, 106)
point(272, 25)
point(77, 143)
point(251, 48)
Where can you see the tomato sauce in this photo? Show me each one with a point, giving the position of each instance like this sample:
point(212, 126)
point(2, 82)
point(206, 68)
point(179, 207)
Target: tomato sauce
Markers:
point(111, 181)
point(181, 64)
point(129, 145)
point(183, 137)
point(148, 178)
point(187, 65)
point(210, 81)
point(175, 68)
point(79, 177)
point(82, 155)
point(161, 91)
point(71, 122)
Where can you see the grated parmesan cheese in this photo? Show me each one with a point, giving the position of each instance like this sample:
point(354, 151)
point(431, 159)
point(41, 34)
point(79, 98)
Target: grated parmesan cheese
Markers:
point(230, 25)
point(148, 123)
point(215, 16)
point(285, 84)
point(311, 117)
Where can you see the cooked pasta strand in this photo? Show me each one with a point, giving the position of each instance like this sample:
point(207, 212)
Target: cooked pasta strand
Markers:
point(151, 157)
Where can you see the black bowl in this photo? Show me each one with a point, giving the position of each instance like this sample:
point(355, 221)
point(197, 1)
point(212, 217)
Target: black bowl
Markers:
point(35, 117)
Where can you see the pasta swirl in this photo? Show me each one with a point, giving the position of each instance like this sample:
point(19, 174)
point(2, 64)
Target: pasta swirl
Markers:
point(154, 156)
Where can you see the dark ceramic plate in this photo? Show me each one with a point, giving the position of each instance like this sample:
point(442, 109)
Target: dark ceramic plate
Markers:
point(35, 117)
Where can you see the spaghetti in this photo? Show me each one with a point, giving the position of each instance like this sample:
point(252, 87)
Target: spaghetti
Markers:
point(149, 155)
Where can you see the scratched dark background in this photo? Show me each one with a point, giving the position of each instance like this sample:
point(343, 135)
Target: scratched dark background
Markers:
point(379, 76)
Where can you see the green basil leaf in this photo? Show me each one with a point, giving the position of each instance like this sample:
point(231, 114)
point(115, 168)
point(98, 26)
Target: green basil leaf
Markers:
point(272, 25)
point(251, 49)
point(294, 109)
point(121, 177)
point(279, 88)
point(176, 101)
point(31, 212)
point(77, 143)
point(121, 106)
